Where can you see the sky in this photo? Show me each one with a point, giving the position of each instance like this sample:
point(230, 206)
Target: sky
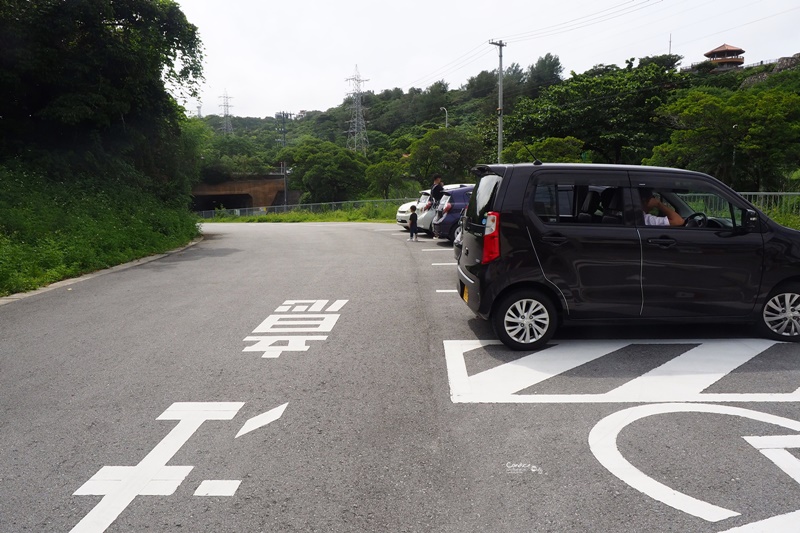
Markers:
point(273, 56)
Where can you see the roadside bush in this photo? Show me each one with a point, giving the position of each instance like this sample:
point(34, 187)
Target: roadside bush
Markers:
point(52, 230)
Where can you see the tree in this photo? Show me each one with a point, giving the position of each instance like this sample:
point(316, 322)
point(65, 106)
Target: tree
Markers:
point(545, 72)
point(610, 109)
point(446, 151)
point(385, 177)
point(551, 150)
point(749, 139)
point(324, 171)
point(481, 85)
point(92, 75)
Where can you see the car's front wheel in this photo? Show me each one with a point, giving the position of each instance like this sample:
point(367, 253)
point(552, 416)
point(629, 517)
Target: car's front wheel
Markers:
point(780, 316)
point(524, 320)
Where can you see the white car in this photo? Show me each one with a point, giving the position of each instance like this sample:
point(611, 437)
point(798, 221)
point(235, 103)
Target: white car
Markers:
point(404, 211)
point(426, 211)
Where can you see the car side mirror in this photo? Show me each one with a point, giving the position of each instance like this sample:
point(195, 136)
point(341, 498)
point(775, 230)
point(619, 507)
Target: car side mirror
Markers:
point(749, 220)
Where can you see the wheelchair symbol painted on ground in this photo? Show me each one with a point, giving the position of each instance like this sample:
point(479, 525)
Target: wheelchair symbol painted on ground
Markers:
point(603, 443)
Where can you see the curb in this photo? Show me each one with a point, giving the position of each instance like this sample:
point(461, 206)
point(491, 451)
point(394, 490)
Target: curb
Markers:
point(63, 283)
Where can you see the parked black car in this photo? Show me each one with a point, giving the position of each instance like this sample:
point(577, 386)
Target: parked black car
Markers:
point(445, 223)
point(549, 243)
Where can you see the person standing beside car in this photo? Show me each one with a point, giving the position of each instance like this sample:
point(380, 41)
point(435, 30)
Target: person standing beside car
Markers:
point(437, 190)
point(412, 224)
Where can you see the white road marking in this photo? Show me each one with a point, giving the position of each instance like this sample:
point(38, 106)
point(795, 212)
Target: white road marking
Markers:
point(682, 379)
point(444, 264)
point(119, 485)
point(266, 344)
point(603, 443)
point(261, 420)
point(305, 323)
point(336, 306)
point(218, 487)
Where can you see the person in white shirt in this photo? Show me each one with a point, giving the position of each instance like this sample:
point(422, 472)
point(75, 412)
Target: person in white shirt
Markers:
point(650, 202)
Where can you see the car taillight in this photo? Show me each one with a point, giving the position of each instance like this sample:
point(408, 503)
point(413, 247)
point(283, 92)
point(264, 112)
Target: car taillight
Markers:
point(447, 208)
point(428, 205)
point(491, 238)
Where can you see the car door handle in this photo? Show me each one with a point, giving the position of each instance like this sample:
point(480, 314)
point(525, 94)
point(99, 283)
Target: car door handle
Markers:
point(556, 240)
point(663, 242)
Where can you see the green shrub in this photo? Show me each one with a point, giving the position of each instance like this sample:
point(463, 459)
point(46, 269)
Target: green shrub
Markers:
point(53, 229)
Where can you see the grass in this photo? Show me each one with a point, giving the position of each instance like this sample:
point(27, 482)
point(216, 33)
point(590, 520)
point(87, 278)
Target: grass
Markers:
point(50, 231)
point(367, 213)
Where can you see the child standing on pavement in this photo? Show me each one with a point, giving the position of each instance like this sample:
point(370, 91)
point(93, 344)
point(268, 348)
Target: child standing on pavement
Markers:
point(412, 224)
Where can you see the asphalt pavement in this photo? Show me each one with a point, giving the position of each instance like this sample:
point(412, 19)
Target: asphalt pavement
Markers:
point(327, 377)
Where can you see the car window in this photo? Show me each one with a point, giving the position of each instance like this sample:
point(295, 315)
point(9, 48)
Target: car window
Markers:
point(482, 199)
point(575, 198)
point(694, 199)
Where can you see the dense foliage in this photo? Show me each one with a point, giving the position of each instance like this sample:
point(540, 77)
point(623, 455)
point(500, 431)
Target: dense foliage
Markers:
point(739, 125)
point(51, 231)
point(97, 159)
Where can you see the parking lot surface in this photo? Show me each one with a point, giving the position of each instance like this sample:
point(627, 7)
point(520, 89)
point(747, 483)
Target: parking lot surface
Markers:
point(327, 377)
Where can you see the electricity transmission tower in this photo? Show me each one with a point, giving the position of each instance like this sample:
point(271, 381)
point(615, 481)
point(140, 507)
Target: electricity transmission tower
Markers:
point(226, 106)
point(357, 135)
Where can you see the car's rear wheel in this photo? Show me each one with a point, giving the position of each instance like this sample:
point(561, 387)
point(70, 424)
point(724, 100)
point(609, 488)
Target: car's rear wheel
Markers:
point(455, 232)
point(780, 316)
point(525, 320)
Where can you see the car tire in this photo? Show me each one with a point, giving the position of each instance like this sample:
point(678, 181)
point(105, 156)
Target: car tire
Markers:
point(524, 320)
point(452, 235)
point(780, 315)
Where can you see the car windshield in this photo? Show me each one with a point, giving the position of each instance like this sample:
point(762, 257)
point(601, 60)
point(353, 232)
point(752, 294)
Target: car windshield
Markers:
point(424, 198)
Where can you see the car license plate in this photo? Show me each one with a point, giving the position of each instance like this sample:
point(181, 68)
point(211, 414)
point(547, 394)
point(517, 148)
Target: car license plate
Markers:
point(465, 295)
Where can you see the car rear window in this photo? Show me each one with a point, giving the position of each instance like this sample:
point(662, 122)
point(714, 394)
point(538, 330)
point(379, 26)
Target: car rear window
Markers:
point(482, 198)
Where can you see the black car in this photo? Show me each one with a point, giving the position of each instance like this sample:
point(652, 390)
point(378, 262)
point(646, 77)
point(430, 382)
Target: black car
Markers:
point(545, 244)
point(448, 213)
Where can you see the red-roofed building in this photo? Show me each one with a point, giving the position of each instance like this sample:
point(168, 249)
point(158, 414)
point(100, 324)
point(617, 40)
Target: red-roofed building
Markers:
point(726, 56)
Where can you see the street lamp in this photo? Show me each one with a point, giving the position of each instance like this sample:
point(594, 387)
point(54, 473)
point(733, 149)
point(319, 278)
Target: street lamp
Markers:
point(445, 115)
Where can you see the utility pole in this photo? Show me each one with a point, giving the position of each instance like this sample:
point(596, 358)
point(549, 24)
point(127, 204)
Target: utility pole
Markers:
point(227, 126)
point(357, 135)
point(499, 45)
point(282, 116)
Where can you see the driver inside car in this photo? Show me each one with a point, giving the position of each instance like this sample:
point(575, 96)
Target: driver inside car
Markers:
point(650, 202)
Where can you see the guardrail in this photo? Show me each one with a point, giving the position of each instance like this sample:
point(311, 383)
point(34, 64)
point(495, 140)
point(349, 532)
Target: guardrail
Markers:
point(313, 208)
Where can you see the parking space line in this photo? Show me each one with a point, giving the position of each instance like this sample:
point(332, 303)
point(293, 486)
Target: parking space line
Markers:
point(443, 264)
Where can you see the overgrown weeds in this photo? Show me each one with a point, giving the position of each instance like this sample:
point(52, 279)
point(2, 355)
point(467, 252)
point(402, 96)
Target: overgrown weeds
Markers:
point(52, 230)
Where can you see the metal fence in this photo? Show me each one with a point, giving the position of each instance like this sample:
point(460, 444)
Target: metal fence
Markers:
point(312, 208)
point(775, 202)
point(770, 202)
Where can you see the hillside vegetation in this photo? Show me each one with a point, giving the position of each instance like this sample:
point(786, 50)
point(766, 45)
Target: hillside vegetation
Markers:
point(98, 160)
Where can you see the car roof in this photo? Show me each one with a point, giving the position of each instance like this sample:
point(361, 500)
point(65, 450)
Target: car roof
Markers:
point(503, 169)
point(465, 187)
point(450, 187)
